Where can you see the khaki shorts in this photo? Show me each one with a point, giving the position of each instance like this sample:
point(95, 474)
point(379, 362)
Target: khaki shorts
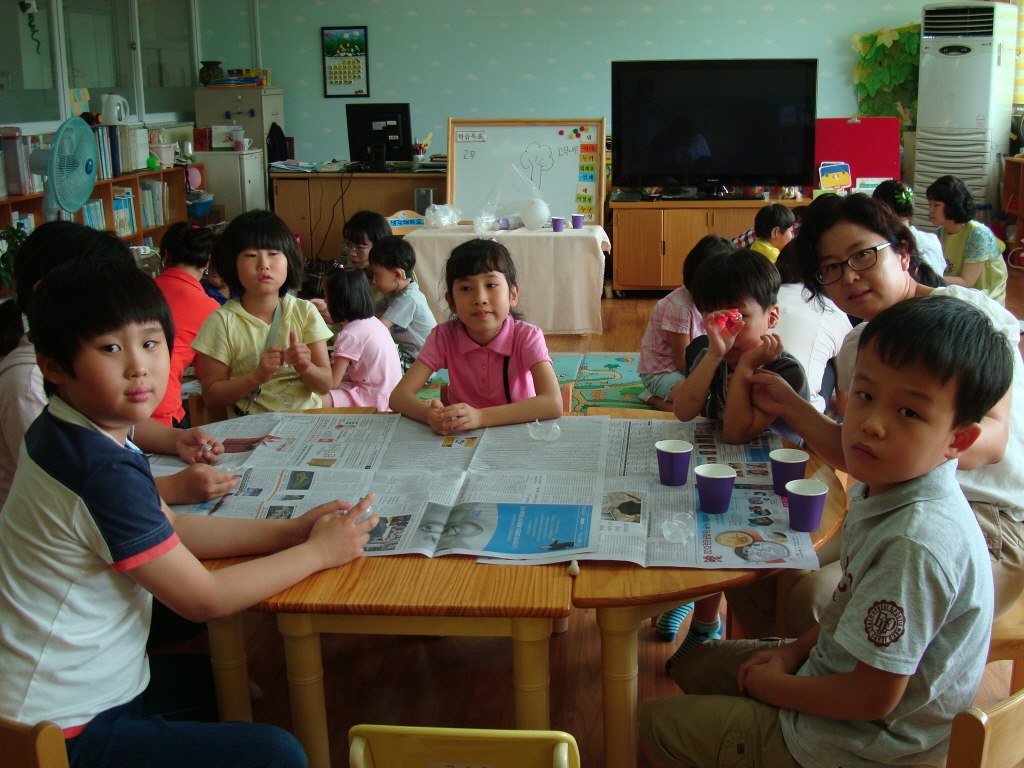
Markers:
point(713, 726)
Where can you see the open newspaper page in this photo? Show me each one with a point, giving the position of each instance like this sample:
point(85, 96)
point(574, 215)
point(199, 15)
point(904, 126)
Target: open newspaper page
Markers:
point(415, 446)
point(239, 436)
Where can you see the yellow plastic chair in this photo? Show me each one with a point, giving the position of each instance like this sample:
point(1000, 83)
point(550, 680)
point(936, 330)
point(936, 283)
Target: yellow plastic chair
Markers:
point(396, 746)
point(988, 738)
point(32, 746)
point(1008, 643)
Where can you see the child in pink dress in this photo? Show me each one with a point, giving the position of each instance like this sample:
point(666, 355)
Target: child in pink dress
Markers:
point(364, 363)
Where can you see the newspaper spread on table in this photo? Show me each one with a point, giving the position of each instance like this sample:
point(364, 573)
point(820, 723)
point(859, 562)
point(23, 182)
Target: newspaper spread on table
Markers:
point(501, 495)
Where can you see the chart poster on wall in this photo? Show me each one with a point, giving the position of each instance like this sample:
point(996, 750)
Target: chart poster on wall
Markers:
point(346, 68)
point(561, 158)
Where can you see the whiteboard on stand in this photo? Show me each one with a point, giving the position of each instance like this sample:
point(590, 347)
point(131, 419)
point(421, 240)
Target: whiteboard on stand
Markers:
point(564, 158)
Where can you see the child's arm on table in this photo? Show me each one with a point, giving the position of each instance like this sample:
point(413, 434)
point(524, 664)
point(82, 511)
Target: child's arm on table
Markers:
point(691, 394)
point(311, 362)
point(990, 446)
point(771, 394)
point(866, 693)
point(742, 421)
point(221, 392)
point(198, 483)
point(403, 399)
point(324, 537)
point(546, 404)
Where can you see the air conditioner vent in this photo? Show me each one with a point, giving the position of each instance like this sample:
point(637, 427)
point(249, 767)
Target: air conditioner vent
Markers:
point(959, 21)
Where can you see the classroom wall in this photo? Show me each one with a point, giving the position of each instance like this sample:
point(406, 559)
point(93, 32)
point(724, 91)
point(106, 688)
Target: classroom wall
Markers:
point(529, 58)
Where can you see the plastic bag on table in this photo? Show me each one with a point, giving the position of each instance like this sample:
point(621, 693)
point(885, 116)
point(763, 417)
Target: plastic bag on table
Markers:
point(440, 216)
point(501, 207)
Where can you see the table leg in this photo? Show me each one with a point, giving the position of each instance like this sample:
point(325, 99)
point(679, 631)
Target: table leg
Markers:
point(530, 675)
point(306, 686)
point(230, 668)
point(619, 627)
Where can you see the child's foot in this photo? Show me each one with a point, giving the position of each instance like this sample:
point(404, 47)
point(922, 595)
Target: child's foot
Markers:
point(668, 622)
point(646, 396)
point(699, 633)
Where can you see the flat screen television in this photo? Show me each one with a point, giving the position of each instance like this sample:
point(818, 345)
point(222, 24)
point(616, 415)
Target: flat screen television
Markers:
point(378, 132)
point(706, 123)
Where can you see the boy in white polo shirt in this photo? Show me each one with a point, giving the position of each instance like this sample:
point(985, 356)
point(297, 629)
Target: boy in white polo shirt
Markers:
point(901, 645)
point(85, 540)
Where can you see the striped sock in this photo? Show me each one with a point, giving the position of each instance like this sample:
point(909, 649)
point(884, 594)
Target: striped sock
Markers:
point(669, 621)
point(699, 633)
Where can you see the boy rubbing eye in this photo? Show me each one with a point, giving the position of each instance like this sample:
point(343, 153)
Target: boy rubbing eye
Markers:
point(900, 646)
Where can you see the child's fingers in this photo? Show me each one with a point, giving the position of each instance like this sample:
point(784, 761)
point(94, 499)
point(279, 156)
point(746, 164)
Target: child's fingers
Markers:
point(293, 338)
point(358, 509)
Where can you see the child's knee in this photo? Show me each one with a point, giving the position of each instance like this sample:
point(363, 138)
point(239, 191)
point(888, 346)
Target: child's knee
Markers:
point(276, 747)
point(691, 671)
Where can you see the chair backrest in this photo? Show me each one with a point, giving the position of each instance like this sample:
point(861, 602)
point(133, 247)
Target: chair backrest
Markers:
point(32, 746)
point(989, 738)
point(200, 414)
point(393, 746)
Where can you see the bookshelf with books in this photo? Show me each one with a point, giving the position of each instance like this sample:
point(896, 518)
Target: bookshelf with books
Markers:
point(117, 204)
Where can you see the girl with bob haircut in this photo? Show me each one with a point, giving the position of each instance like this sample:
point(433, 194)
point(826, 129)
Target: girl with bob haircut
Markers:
point(266, 350)
point(900, 198)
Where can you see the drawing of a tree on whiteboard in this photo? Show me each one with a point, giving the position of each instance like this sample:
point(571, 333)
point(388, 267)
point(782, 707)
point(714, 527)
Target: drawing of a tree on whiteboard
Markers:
point(537, 159)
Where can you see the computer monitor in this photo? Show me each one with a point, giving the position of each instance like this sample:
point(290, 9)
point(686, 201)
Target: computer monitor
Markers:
point(378, 132)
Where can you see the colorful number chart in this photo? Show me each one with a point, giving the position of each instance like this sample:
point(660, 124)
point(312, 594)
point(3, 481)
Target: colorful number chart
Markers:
point(563, 158)
point(346, 72)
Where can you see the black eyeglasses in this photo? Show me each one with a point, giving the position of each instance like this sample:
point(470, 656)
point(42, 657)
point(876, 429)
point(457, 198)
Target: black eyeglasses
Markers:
point(861, 260)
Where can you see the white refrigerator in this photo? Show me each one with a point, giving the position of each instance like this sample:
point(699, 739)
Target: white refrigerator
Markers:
point(237, 180)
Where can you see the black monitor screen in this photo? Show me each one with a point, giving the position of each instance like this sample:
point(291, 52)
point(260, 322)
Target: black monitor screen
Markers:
point(736, 121)
point(387, 124)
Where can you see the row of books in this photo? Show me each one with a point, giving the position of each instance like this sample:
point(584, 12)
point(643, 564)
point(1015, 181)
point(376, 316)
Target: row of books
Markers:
point(93, 214)
point(155, 203)
point(17, 177)
point(121, 148)
point(124, 211)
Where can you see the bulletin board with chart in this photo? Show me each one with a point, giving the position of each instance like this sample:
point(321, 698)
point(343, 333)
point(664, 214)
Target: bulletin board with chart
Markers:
point(564, 158)
point(346, 68)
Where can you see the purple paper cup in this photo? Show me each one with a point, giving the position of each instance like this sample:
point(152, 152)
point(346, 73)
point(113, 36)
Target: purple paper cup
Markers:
point(577, 221)
point(714, 487)
point(806, 503)
point(557, 223)
point(787, 464)
point(673, 461)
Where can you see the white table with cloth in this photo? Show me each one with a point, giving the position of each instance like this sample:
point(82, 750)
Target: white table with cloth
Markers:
point(561, 274)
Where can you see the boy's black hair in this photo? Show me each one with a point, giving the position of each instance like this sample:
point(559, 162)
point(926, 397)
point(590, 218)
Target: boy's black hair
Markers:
point(874, 215)
point(84, 299)
point(475, 257)
point(186, 244)
point(954, 193)
point(706, 246)
point(366, 225)
point(394, 252)
point(770, 217)
point(951, 340)
point(49, 246)
point(348, 295)
point(262, 230)
point(726, 279)
point(897, 196)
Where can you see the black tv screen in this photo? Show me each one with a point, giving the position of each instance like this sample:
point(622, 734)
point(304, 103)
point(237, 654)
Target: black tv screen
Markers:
point(724, 122)
point(384, 125)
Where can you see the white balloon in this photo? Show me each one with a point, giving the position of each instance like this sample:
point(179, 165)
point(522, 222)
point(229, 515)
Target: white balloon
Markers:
point(534, 213)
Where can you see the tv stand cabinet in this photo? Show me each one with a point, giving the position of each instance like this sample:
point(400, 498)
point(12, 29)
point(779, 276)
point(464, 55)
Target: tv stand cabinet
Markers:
point(650, 241)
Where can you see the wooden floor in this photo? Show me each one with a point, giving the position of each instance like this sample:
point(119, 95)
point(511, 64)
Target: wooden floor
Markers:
point(466, 682)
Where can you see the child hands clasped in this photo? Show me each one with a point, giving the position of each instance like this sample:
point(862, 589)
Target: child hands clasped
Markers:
point(499, 366)
point(257, 257)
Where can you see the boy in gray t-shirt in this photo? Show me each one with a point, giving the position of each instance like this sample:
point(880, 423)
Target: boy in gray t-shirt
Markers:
point(403, 307)
point(901, 647)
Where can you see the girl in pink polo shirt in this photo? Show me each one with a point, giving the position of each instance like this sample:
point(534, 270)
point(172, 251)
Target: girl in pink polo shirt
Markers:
point(498, 366)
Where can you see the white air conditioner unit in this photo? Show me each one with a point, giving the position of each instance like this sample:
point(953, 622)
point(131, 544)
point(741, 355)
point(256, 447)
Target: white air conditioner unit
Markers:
point(965, 95)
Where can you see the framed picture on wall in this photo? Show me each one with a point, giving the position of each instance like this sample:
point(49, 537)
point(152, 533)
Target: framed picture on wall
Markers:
point(346, 65)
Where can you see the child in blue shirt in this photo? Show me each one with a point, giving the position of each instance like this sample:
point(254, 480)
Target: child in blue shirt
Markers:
point(85, 542)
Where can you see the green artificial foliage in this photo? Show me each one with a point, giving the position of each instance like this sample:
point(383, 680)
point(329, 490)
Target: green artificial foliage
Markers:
point(885, 77)
point(11, 238)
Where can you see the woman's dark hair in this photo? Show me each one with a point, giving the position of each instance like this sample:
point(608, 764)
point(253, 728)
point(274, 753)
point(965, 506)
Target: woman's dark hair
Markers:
point(897, 196)
point(957, 197)
point(727, 279)
point(874, 215)
point(393, 252)
point(788, 265)
point(706, 246)
point(348, 295)
point(475, 257)
point(366, 225)
point(951, 340)
point(256, 230)
point(186, 244)
point(86, 298)
point(49, 246)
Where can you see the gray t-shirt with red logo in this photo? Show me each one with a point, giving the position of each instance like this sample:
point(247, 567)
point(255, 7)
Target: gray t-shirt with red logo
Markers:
point(915, 598)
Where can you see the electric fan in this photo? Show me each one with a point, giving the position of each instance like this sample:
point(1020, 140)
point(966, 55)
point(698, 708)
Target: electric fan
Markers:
point(69, 166)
